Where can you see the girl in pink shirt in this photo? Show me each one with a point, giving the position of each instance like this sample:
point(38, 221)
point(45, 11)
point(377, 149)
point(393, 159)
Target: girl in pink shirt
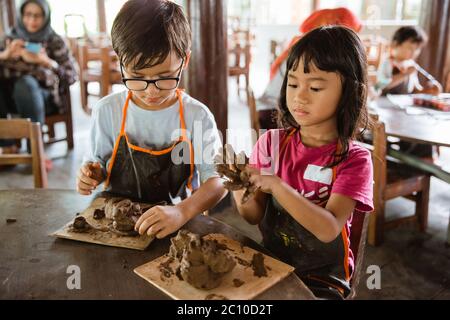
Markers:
point(311, 175)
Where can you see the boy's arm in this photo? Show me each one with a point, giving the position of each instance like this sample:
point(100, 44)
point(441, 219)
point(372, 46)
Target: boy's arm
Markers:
point(161, 221)
point(207, 196)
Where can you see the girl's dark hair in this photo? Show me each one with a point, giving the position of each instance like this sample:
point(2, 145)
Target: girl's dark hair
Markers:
point(414, 34)
point(144, 32)
point(333, 49)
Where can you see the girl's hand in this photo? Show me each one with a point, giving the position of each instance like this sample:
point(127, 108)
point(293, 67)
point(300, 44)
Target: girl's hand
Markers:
point(264, 181)
point(161, 221)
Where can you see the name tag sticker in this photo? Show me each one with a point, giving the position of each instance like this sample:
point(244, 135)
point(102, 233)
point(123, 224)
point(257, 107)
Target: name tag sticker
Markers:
point(318, 174)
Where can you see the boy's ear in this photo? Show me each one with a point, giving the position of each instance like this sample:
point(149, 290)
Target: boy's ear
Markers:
point(188, 58)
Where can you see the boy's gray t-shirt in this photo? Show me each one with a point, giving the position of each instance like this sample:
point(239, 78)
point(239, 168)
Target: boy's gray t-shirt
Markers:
point(154, 130)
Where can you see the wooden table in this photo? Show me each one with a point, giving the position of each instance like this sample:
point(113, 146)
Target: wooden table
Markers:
point(33, 265)
point(422, 128)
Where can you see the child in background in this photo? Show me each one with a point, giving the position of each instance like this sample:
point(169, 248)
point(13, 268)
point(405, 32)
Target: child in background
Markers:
point(151, 143)
point(398, 73)
point(312, 177)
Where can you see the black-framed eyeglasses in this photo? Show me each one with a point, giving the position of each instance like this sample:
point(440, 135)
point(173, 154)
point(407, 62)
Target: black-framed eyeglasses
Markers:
point(168, 83)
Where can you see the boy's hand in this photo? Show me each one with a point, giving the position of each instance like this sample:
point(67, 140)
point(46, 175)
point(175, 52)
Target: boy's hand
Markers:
point(264, 182)
point(161, 221)
point(89, 177)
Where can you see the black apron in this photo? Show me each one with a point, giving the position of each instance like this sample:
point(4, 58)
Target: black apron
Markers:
point(313, 259)
point(149, 175)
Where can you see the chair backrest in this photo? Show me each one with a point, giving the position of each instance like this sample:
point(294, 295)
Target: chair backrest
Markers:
point(276, 47)
point(24, 128)
point(358, 237)
point(376, 48)
point(239, 50)
point(105, 72)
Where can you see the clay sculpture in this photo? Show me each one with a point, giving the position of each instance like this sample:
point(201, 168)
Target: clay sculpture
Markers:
point(203, 263)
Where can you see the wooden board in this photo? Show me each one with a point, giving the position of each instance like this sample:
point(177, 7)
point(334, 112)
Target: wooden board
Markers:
point(253, 285)
point(101, 237)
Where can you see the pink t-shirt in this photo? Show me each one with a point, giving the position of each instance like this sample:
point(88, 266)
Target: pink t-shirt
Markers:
point(300, 166)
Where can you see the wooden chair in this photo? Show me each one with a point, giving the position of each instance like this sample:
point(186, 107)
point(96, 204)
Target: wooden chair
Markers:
point(239, 54)
point(66, 118)
point(97, 64)
point(276, 48)
point(24, 128)
point(358, 236)
point(393, 179)
point(376, 48)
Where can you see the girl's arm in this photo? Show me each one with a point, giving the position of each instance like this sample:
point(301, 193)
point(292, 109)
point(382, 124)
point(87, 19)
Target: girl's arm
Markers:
point(253, 210)
point(325, 223)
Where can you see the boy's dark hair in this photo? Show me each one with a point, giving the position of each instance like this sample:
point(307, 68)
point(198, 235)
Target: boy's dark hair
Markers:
point(144, 32)
point(333, 49)
point(414, 34)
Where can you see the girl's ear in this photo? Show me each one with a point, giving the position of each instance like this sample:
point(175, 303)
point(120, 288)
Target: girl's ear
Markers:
point(188, 58)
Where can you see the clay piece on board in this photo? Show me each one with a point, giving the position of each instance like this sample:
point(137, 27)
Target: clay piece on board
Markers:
point(234, 171)
point(202, 262)
point(80, 225)
point(259, 269)
point(123, 214)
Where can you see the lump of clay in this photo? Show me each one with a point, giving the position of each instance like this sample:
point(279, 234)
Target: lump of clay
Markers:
point(234, 171)
point(125, 214)
point(202, 262)
point(80, 225)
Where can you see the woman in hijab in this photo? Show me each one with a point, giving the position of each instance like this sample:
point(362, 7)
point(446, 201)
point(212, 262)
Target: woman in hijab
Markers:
point(35, 64)
point(268, 102)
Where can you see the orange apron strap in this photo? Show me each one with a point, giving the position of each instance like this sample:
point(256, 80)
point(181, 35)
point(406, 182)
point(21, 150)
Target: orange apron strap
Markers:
point(284, 144)
point(185, 138)
point(116, 144)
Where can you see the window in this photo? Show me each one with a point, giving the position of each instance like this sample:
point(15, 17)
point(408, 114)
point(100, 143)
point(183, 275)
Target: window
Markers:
point(269, 12)
point(86, 8)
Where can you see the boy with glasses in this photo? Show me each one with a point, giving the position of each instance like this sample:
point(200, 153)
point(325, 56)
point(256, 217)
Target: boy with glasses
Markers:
point(153, 142)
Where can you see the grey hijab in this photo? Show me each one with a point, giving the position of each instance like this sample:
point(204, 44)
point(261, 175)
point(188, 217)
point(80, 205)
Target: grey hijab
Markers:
point(19, 31)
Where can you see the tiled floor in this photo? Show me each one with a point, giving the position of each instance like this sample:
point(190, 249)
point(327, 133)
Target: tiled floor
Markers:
point(413, 265)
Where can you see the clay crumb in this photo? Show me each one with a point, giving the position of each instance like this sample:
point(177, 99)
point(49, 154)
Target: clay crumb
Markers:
point(214, 296)
point(238, 282)
point(259, 269)
point(11, 220)
point(242, 262)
